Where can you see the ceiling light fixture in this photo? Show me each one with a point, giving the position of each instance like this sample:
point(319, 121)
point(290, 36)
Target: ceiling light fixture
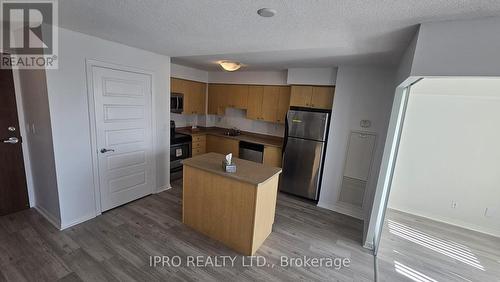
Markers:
point(266, 12)
point(230, 65)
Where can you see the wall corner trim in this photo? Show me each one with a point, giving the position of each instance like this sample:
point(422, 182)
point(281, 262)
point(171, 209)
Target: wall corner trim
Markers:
point(49, 217)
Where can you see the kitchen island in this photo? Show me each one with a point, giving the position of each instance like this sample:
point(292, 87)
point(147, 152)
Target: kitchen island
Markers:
point(236, 209)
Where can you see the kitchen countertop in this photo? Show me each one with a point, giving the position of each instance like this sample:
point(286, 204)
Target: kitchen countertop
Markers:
point(246, 171)
point(266, 140)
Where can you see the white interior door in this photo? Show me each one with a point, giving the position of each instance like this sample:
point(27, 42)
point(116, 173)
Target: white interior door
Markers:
point(359, 155)
point(123, 114)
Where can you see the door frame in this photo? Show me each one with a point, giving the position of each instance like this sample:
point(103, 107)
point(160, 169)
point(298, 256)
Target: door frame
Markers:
point(89, 65)
point(23, 130)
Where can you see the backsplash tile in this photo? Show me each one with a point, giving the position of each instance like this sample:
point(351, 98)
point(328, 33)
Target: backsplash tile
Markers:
point(232, 118)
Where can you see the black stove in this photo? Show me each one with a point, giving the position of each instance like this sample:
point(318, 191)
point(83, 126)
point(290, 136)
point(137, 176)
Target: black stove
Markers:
point(180, 149)
point(179, 138)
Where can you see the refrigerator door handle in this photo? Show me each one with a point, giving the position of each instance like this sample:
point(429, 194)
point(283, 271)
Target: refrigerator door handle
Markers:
point(286, 135)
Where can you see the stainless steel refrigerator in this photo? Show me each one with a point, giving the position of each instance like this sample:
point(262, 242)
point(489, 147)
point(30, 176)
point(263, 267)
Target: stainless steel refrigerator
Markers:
point(306, 133)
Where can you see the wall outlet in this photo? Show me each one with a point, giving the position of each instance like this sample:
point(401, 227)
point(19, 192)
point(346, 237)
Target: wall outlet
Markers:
point(492, 212)
point(454, 204)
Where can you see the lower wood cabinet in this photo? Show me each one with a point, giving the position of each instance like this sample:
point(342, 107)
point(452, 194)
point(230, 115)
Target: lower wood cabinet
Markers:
point(222, 145)
point(199, 145)
point(272, 156)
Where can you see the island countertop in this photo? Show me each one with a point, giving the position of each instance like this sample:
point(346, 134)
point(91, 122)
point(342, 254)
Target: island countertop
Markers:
point(246, 171)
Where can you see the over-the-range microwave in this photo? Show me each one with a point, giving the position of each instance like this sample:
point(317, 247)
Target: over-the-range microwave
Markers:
point(176, 103)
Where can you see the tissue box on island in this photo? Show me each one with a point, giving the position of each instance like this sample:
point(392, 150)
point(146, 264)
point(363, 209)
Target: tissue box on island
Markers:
point(228, 165)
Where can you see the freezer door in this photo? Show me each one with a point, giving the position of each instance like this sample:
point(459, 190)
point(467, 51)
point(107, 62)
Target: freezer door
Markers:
point(301, 167)
point(307, 125)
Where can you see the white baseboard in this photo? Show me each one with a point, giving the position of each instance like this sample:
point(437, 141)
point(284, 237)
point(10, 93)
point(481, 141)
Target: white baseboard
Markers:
point(163, 189)
point(465, 225)
point(77, 221)
point(49, 217)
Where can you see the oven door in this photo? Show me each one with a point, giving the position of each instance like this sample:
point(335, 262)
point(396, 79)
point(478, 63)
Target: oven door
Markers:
point(178, 152)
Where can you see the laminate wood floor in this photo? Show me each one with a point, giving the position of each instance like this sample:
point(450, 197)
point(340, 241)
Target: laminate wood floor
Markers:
point(413, 248)
point(117, 245)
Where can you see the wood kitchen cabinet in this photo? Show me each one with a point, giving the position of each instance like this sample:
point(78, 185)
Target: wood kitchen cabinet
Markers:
point(272, 156)
point(322, 97)
point(195, 98)
point(221, 96)
point(177, 85)
point(255, 98)
point(194, 95)
point(237, 95)
point(216, 99)
point(267, 103)
point(270, 103)
point(319, 97)
point(199, 144)
point(283, 104)
point(222, 145)
point(301, 95)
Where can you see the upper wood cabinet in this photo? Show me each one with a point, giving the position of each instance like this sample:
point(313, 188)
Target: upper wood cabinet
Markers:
point(283, 104)
point(322, 97)
point(270, 103)
point(216, 99)
point(237, 96)
point(301, 95)
point(177, 85)
point(264, 103)
point(255, 98)
point(319, 97)
point(194, 95)
point(221, 96)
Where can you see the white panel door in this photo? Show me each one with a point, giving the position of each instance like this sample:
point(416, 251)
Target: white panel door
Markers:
point(123, 113)
point(359, 155)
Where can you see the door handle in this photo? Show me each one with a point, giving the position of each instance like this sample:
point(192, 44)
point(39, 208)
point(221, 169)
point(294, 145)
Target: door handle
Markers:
point(11, 140)
point(104, 150)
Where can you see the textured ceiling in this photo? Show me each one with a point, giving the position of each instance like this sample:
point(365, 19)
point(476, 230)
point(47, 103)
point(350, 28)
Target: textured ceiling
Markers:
point(303, 33)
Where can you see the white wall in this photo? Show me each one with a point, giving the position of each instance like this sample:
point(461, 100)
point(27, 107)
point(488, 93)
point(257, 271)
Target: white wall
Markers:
point(68, 103)
point(35, 107)
point(451, 48)
point(449, 152)
point(248, 77)
point(312, 76)
point(458, 48)
point(184, 72)
point(406, 63)
point(361, 93)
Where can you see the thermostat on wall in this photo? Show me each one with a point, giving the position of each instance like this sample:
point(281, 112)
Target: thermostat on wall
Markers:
point(365, 123)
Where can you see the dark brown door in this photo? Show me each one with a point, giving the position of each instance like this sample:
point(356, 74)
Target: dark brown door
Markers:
point(13, 191)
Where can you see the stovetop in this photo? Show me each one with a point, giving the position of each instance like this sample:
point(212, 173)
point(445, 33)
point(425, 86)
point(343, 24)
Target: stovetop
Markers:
point(178, 138)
